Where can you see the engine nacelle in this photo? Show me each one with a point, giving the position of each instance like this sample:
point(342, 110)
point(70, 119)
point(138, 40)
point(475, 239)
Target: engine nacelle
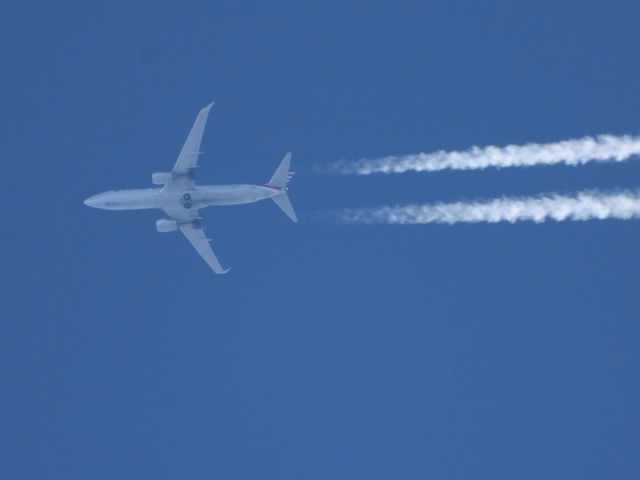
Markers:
point(161, 178)
point(166, 225)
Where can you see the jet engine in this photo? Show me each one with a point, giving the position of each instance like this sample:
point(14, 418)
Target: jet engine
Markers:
point(166, 225)
point(161, 178)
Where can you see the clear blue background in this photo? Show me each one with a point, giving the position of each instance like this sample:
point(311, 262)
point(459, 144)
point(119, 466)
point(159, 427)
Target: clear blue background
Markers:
point(469, 351)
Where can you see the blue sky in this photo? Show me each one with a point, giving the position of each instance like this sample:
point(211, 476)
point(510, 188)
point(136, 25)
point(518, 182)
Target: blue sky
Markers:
point(466, 351)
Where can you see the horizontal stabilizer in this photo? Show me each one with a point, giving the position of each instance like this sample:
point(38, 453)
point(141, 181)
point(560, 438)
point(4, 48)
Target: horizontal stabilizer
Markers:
point(282, 200)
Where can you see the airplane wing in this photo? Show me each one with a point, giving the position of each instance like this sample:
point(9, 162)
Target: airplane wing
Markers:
point(195, 234)
point(187, 162)
point(190, 225)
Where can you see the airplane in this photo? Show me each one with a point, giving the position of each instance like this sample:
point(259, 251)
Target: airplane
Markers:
point(181, 199)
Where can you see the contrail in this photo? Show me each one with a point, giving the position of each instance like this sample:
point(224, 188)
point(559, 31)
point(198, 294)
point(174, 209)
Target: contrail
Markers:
point(603, 148)
point(622, 205)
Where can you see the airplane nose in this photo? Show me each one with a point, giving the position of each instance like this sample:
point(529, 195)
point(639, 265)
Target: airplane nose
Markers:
point(91, 201)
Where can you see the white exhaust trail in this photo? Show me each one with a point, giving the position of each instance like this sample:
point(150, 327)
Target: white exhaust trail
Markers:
point(623, 205)
point(603, 148)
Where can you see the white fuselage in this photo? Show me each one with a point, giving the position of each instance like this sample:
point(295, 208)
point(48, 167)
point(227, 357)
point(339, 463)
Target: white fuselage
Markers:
point(198, 197)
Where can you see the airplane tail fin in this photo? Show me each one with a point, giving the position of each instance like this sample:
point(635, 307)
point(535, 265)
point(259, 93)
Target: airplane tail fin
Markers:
point(282, 175)
point(280, 180)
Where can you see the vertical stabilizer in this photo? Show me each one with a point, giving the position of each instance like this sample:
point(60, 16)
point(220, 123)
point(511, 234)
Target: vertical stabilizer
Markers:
point(282, 175)
point(279, 181)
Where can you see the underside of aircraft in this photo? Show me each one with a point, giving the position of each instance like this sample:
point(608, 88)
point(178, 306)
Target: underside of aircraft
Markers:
point(181, 199)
